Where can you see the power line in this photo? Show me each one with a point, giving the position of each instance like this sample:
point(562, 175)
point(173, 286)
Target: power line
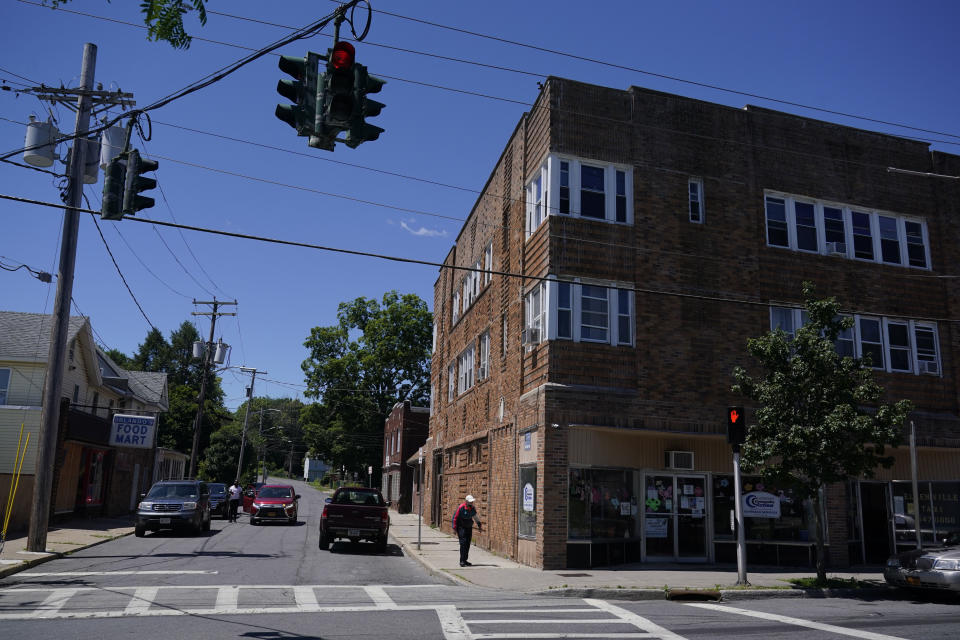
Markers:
point(439, 265)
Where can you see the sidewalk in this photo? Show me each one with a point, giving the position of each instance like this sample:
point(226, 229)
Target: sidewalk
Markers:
point(440, 554)
point(62, 539)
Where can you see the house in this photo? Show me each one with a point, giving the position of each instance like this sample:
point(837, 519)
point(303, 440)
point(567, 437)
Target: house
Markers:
point(91, 475)
point(404, 432)
point(625, 247)
point(314, 469)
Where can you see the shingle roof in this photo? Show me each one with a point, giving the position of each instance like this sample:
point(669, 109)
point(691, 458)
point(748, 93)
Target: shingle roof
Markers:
point(26, 336)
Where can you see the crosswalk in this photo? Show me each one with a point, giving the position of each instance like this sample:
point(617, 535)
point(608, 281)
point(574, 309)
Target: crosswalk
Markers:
point(497, 620)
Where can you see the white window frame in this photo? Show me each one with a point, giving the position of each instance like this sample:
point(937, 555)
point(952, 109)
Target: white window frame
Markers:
point(456, 306)
point(488, 263)
point(695, 196)
point(535, 315)
point(5, 389)
point(465, 363)
point(882, 344)
point(614, 312)
point(926, 357)
point(890, 348)
point(483, 368)
point(848, 250)
point(451, 382)
point(549, 177)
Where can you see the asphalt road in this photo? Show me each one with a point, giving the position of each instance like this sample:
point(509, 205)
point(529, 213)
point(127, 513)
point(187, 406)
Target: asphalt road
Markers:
point(272, 582)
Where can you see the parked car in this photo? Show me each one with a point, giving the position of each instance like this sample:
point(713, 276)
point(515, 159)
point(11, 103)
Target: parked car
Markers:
point(355, 513)
point(249, 493)
point(219, 500)
point(931, 568)
point(275, 502)
point(174, 504)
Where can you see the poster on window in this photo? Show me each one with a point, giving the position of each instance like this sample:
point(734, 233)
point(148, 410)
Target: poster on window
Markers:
point(528, 494)
point(132, 431)
point(760, 504)
point(656, 527)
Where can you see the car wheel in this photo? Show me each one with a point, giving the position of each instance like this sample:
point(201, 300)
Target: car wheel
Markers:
point(381, 544)
point(324, 542)
point(139, 531)
point(253, 521)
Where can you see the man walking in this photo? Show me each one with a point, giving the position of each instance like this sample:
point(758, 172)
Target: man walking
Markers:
point(463, 524)
point(235, 492)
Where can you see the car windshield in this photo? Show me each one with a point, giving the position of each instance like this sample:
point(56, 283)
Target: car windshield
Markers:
point(173, 491)
point(275, 492)
point(217, 489)
point(367, 498)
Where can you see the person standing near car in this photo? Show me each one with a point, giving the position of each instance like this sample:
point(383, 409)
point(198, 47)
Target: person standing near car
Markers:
point(463, 520)
point(235, 492)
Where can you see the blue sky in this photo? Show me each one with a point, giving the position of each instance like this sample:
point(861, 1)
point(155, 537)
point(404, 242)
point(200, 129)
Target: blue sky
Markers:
point(227, 163)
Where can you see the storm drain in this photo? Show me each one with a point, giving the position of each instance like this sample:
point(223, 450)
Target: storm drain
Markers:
point(693, 595)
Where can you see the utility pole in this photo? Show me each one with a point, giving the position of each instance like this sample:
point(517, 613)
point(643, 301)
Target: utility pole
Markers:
point(50, 422)
point(203, 381)
point(246, 416)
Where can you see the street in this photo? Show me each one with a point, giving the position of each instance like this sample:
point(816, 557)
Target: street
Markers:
point(272, 582)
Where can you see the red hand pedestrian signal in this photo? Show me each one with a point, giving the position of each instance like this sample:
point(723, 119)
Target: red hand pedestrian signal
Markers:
point(736, 429)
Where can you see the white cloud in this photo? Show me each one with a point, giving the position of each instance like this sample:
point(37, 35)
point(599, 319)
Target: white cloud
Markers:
point(423, 231)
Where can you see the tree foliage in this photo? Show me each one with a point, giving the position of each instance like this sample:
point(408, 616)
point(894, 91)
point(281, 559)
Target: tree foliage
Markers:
point(378, 354)
point(164, 19)
point(820, 417)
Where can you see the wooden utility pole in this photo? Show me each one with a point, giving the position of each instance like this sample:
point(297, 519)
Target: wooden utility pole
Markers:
point(207, 357)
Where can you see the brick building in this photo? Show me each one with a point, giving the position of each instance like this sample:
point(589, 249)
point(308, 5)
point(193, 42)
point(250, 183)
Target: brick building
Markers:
point(404, 432)
point(588, 318)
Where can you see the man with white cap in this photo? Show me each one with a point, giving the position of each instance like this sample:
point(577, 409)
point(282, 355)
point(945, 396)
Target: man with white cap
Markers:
point(463, 524)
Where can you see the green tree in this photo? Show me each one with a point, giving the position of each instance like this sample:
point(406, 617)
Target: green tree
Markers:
point(164, 19)
point(378, 354)
point(153, 353)
point(120, 358)
point(820, 417)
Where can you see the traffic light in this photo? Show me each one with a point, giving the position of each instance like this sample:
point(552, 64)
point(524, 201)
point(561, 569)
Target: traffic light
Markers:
point(360, 130)
point(736, 427)
point(113, 182)
point(339, 103)
point(302, 90)
point(134, 183)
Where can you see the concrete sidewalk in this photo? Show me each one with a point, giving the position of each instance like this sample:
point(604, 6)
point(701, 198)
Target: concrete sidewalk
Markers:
point(62, 539)
point(440, 553)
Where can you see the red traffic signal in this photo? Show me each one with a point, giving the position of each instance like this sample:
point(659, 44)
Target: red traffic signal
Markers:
point(736, 426)
point(341, 58)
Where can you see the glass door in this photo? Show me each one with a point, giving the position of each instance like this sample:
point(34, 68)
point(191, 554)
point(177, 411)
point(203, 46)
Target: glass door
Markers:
point(675, 518)
point(691, 492)
point(659, 517)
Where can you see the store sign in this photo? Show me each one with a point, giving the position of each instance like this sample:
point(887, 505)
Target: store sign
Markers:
point(528, 497)
point(132, 431)
point(760, 504)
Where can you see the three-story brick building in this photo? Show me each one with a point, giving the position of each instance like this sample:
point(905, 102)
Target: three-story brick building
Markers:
point(624, 249)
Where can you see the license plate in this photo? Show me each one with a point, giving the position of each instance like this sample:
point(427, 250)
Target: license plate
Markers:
point(913, 580)
point(271, 513)
point(353, 532)
point(164, 520)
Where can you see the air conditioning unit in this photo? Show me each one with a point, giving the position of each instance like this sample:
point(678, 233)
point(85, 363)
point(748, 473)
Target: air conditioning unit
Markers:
point(930, 366)
point(531, 336)
point(836, 248)
point(678, 460)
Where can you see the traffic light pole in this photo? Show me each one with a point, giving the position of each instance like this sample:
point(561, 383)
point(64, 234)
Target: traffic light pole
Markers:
point(50, 421)
point(738, 512)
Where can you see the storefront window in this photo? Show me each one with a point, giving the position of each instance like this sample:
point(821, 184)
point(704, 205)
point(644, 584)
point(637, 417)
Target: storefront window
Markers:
point(794, 524)
point(939, 511)
point(95, 478)
point(528, 502)
point(602, 504)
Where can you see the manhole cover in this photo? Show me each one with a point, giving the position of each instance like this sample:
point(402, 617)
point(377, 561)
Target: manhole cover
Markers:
point(574, 575)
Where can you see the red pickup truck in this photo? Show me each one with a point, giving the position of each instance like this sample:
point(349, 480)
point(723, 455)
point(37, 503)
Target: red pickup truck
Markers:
point(355, 513)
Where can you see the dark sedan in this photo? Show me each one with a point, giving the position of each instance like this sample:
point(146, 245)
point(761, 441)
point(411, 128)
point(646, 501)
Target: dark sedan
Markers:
point(219, 500)
point(936, 568)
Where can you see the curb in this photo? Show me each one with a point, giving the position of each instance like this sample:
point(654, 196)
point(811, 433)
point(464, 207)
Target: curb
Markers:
point(432, 570)
point(9, 570)
point(604, 594)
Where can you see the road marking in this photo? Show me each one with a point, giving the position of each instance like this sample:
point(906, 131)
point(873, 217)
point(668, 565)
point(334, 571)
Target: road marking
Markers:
point(227, 599)
point(526, 636)
point(141, 600)
point(49, 574)
point(452, 623)
point(306, 598)
point(380, 597)
point(810, 624)
point(52, 604)
point(638, 621)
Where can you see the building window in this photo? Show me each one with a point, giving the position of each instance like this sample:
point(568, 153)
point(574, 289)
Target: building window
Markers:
point(456, 307)
point(451, 382)
point(624, 317)
point(588, 189)
point(483, 370)
point(594, 313)
point(925, 340)
point(590, 313)
point(695, 189)
point(845, 344)
point(833, 230)
point(488, 263)
point(465, 367)
point(871, 341)
point(76, 394)
point(564, 311)
point(528, 502)
point(899, 350)
point(4, 385)
point(534, 311)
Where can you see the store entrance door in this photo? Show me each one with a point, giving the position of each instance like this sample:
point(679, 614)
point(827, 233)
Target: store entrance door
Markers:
point(675, 518)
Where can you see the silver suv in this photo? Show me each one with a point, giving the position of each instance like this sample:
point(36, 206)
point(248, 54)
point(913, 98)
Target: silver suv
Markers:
point(174, 504)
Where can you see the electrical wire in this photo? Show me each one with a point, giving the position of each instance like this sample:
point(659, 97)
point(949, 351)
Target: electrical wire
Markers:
point(508, 274)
